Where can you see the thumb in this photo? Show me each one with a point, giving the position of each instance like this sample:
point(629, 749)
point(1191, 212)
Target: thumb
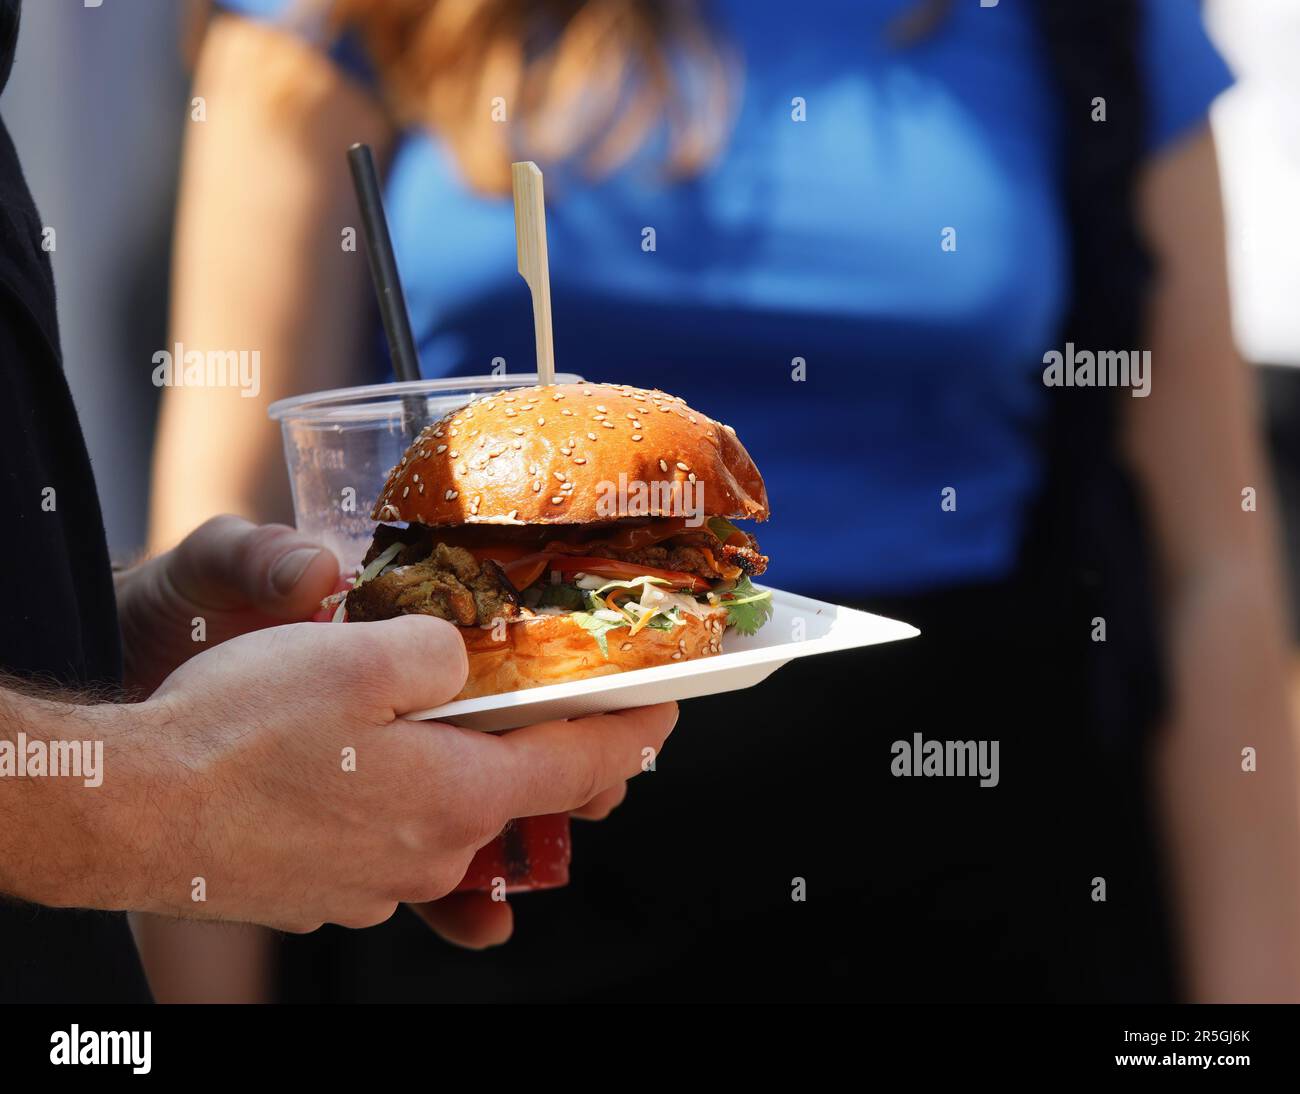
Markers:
point(229, 564)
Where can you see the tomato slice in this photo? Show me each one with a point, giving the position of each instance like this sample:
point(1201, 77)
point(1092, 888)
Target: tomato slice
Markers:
point(523, 569)
point(526, 569)
point(625, 571)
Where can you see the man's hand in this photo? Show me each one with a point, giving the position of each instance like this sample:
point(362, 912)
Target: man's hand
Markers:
point(276, 779)
point(234, 576)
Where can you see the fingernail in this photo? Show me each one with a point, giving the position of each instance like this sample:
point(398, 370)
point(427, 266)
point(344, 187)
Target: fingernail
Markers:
point(288, 571)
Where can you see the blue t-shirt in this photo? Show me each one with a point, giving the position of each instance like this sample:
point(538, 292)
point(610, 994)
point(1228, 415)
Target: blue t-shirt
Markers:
point(813, 248)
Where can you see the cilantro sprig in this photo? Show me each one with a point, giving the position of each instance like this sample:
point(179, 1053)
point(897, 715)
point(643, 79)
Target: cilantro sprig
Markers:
point(747, 609)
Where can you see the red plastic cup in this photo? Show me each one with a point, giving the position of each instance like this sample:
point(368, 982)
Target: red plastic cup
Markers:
point(531, 852)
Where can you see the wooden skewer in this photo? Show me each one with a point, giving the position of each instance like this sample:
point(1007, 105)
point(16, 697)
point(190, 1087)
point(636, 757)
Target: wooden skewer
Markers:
point(530, 239)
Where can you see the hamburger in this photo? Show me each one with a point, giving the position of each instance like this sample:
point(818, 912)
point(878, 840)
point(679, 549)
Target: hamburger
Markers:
point(569, 531)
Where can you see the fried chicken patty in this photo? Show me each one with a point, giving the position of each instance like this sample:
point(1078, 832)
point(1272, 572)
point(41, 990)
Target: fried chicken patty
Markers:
point(449, 582)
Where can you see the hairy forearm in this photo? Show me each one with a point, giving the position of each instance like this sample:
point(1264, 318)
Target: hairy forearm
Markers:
point(66, 770)
point(1227, 768)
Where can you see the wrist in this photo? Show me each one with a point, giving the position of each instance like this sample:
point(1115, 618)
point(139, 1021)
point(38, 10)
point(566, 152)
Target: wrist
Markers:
point(139, 811)
point(87, 831)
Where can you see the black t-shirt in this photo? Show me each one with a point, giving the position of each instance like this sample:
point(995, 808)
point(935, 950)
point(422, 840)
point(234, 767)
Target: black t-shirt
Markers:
point(58, 622)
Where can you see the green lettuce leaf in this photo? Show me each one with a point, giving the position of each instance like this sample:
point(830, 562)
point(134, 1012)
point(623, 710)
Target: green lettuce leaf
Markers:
point(561, 596)
point(597, 628)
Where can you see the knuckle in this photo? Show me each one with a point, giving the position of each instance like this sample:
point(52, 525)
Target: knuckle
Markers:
point(588, 781)
point(369, 915)
point(471, 824)
point(437, 881)
point(443, 646)
point(302, 926)
point(361, 659)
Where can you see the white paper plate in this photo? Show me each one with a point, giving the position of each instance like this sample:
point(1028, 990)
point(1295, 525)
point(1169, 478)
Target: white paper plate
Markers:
point(799, 627)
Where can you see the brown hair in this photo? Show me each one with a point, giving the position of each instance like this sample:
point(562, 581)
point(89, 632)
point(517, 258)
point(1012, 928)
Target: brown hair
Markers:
point(581, 80)
point(584, 80)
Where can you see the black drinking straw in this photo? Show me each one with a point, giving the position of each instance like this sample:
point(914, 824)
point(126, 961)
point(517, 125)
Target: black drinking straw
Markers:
point(387, 282)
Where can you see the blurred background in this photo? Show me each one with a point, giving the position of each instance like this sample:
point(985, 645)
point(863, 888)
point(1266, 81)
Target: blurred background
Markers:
point(96, 107)
point(99, 100)
point(99, 103)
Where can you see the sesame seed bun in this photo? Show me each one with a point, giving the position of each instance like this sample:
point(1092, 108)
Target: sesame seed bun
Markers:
point(545, 455)
point(552, 649)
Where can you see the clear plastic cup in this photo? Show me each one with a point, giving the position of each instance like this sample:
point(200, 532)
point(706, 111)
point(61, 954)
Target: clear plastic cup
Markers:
point(339, 447)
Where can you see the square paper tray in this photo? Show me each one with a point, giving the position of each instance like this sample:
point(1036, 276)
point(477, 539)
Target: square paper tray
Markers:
point(749, 659)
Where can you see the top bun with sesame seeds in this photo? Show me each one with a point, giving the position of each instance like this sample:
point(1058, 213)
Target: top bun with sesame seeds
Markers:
point(554, 455)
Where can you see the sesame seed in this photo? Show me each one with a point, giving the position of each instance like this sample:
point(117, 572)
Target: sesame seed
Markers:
point(541, 421)
point(663, 465)
point(602, 410)
point(440, 449)
point(560, 475)
point(691, 476)
point(518, 431)
point(421, 488)
point(537, 486)
point(591, 436)
point(625, 646)
point(557, 501)
point(453, 453)
point(677, 656)
point(566, 410)
point(682, 467)
point(405, 490)
point(450, 494)
point(415, 477)
point(636, 436)
point(579, 459)
point(608, 425)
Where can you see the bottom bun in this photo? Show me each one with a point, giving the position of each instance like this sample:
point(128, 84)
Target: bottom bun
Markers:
point(553, 649)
